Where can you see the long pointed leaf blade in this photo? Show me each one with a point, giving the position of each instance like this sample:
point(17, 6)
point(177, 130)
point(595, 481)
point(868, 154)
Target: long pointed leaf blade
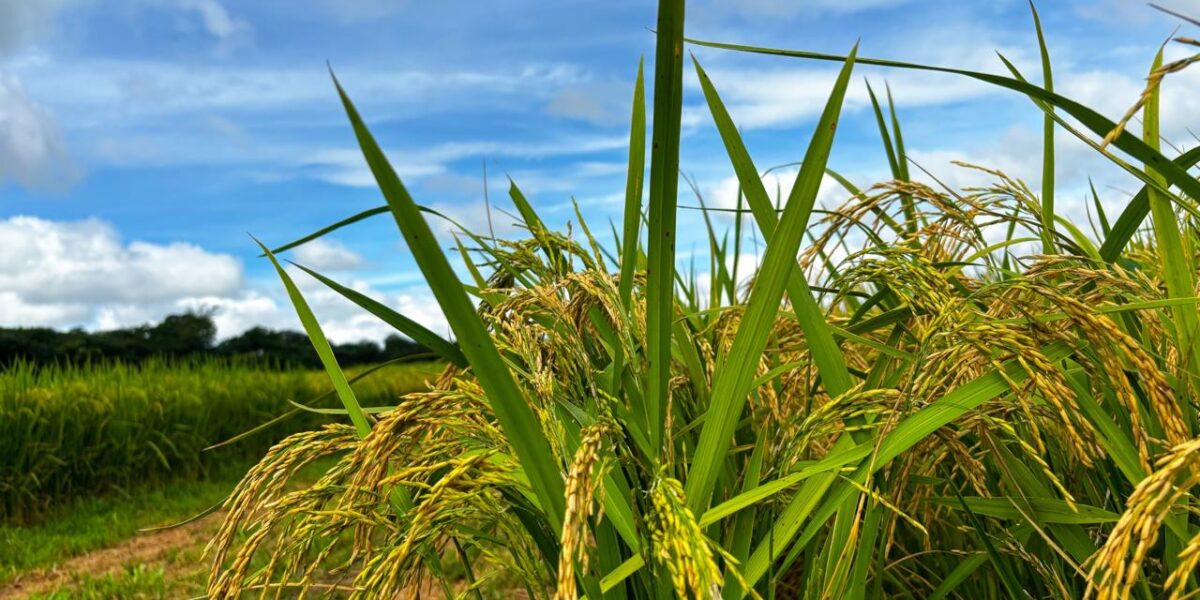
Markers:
point(1094, 121)
point(516, 418)
point(664, 188)
point(366, 214)
point(735, 374)
point(414, 330)
point(633, 189)
point(1047, 142)
point(315, 335)
point(826, 355)
point(1175, 254)
point(1135, 212)
point(631, 228)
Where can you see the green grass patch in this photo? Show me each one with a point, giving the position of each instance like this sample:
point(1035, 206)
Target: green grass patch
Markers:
point(90, 524)
point(70, 432)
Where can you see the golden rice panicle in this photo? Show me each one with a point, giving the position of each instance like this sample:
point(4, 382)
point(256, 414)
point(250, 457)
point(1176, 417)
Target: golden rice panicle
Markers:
point(678, 543)
point(390, 572)
point(256, 495)
point(1189, 564)
point(582, 482)
point(1114, 570)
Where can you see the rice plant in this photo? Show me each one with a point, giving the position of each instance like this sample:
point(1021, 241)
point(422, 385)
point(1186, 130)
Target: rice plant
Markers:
point(900, 402)
point(71, 431)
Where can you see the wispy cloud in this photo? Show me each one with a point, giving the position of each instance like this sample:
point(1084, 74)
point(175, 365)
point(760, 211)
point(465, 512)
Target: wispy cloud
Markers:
point(32, 151)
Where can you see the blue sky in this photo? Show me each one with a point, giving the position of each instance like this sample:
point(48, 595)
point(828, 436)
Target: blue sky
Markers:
point(141, 140)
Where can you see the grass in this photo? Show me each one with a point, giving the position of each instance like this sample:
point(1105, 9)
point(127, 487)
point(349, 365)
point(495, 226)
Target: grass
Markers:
point(87, 525)
point(921, 392)
point(90, 524)
point(70, 432)
point(134, 582)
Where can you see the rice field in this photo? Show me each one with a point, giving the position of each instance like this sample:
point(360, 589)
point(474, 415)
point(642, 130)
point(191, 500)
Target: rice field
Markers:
point(80, 431)
point(919, 392)
point(923, 392)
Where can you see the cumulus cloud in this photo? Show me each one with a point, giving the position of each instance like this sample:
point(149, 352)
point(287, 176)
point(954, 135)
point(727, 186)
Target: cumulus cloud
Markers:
point(328, 255)
point(86, 262)
point(781, 96)
point(81, 273)
point(341, 320)
point(216, 18)
point(1112, 92)
point(32, 151)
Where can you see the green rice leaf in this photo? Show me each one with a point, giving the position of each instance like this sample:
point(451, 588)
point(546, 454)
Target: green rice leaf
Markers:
point(733, 376)
point(517, 420)
point(664, 187)
point(366, 214)
point(414, 330)
point(1045, 510)
point(315, 335)
point(1094, 121)
point(633, 189)
point(1047, 142)
point(905, 435)
point(809, 315)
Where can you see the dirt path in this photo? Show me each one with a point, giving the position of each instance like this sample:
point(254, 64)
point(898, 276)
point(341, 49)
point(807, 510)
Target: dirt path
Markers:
point(145, 549)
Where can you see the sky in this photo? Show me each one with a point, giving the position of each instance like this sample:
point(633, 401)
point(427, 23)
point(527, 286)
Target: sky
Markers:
point(142, 142)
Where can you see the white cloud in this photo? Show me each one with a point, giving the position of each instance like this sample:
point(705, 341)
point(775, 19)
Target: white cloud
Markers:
point(1124, 13)
point(81, 273)
point(723, 193)
point(16, 312)
point(346, 166)
point(328, 255)
point(596, 103)
point(217, 20)
point(61, 273)
point(341, 320)
point(32, 151)
point(225, 127)
point(25, 21)
point(1112, 93)
point(86, 262)
point(98, 90)
point(790, 95)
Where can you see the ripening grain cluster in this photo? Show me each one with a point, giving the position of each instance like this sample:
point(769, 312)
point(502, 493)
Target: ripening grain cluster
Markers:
point(922, 392)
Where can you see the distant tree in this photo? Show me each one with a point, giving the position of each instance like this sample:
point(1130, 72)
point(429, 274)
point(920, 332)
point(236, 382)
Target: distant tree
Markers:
point(283, 347)
point(395, 346)
point(186, 335)
point(189, 333)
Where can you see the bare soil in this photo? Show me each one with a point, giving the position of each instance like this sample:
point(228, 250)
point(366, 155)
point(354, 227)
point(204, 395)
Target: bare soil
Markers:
point(148, 548)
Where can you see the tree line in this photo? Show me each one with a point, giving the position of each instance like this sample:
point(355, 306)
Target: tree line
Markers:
point(187, 335)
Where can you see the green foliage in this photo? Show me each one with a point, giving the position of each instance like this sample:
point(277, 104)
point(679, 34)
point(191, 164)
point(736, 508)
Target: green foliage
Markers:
point(134, 582)
point(93, 522)
point(79, 430)
point(897, 404)
point(192, 335)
